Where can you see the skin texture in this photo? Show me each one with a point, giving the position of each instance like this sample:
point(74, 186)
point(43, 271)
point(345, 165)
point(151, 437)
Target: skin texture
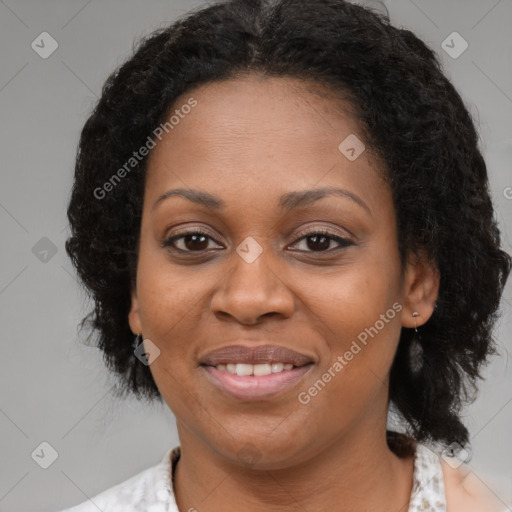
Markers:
point(467, 492)
point(250, 140)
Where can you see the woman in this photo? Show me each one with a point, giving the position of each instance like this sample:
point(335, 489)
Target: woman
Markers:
point(284, 220)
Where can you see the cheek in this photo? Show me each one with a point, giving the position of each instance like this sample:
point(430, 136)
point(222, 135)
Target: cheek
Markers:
point(168, 295)
point(351, 379)
point(357, 314)
point(173, 301)
point(353, 297)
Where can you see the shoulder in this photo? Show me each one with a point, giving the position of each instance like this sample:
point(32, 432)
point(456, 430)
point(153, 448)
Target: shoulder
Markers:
point(466, 492)
point(148, 488)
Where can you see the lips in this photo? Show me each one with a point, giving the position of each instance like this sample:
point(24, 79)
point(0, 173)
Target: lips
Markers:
point(235, 354)
point(255, 388)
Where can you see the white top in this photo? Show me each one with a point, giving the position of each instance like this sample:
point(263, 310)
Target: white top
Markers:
point(151, 490)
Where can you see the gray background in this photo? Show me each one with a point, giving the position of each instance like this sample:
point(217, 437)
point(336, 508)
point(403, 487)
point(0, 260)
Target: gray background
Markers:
point(56, 389)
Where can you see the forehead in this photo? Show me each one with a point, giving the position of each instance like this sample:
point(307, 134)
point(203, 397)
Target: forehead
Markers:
point(270, 134)
point(259, 106)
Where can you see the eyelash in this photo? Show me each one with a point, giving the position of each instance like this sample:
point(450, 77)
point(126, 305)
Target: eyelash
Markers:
point(344, 242)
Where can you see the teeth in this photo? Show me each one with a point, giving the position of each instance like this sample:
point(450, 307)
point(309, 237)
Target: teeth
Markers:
point(262, 369)
point(277, 367)
point(244, 369)
point(254, 369)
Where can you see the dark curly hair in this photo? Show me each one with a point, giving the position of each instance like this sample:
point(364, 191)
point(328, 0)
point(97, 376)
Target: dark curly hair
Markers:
point(412, 118)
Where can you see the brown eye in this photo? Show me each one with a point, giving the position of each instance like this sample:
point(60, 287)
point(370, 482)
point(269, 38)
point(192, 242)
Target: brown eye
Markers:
point(191, 241)
point(319, 241)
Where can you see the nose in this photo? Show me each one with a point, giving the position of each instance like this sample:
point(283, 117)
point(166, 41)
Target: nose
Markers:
point(250, 291)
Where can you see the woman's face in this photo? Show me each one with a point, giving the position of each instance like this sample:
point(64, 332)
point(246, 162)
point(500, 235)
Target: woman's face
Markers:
point(263, 272)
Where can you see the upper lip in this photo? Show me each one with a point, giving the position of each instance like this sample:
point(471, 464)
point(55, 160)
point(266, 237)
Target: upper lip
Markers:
point(255, 355)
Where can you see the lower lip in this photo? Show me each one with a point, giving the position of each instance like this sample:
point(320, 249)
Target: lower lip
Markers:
point(255, 387)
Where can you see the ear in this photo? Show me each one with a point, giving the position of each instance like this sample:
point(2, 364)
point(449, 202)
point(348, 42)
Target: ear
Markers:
point(421, 289)
point(133, 315)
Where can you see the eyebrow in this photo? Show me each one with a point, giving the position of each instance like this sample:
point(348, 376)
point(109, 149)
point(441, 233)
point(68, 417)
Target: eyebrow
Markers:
point(287, 201)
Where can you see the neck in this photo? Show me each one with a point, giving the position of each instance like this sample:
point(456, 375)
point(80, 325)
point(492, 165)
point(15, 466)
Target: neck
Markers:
point(356, 472)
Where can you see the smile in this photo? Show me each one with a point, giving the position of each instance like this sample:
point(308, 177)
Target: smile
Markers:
point(250, 382)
